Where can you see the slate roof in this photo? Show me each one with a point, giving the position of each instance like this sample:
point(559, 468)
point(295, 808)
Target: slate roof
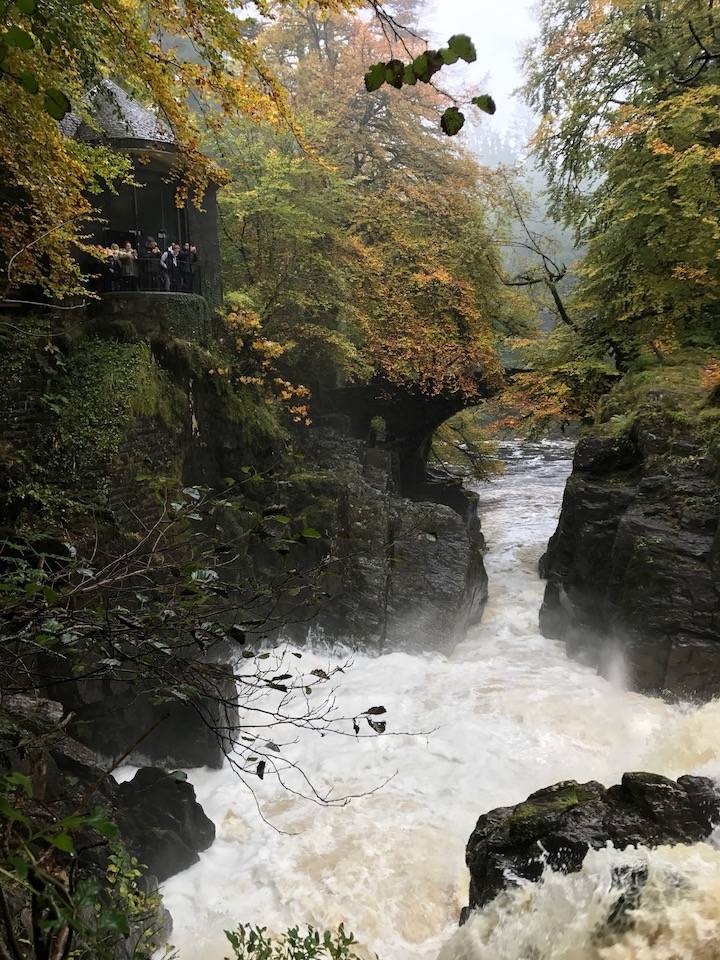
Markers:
point(118, 117)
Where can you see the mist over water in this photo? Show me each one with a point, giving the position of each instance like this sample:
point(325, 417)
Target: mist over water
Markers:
point(510, 714)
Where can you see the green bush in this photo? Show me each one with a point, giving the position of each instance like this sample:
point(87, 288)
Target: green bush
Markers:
point(254, 943)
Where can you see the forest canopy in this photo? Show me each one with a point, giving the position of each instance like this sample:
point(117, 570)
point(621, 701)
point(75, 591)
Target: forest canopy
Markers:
point(382, 258)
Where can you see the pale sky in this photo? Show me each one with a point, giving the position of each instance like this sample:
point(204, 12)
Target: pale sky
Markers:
point(499, 30)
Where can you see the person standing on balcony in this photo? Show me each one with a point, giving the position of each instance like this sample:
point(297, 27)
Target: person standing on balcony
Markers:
point(129, 266)
point(154, 278)
point(169, 263)
point(113, 276)
point(187, 258)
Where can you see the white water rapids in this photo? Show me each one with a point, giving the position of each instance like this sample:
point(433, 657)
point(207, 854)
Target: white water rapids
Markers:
point(512, 715)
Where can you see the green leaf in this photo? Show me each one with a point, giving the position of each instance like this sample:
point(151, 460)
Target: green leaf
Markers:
point(20, 780)
point(409, 78)
point(310, 533)
point(427, 65)
point(56, 103)
point(485, 102)
point(106, 828)
point(12, 813)
point(64, 842)
point(375, 77)
point(420, 66)
point(463, 46)
point(29, 82)
point(449, 56)
point(394, 71)
point(27, 7)
point(15, 37)
point(452, 121)
point(20, 867)
point(98, 821)
point(115, 920)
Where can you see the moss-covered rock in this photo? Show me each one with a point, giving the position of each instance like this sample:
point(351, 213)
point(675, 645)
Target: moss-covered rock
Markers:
point(557, 826)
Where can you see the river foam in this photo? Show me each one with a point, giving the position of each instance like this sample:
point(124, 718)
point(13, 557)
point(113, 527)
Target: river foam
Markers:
point(509, 714)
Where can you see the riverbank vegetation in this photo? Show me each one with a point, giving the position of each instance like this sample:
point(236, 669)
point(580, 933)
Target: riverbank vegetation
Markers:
point(628, 97)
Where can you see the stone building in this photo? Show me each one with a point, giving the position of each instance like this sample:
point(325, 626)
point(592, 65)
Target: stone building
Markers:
point(149, 209)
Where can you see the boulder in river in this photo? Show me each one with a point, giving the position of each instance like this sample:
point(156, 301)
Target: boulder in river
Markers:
point(162, 822)
point(558, 825)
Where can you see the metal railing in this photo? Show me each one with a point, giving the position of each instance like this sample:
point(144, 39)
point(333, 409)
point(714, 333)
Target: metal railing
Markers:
point(150, 275)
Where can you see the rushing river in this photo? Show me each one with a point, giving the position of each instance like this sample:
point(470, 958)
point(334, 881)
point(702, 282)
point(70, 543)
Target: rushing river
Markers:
point(509, 714)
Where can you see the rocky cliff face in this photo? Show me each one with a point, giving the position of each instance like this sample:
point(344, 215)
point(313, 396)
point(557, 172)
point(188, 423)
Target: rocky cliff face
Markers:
point(406, 573)
point(159, 820)
point(634, 566)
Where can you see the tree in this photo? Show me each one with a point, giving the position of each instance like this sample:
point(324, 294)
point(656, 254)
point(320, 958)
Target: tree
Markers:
point(629, 94)
point(375, 256)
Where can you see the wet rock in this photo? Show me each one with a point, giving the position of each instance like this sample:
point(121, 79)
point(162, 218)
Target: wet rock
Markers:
point(162, 822)
point(633, 568)
point(557, 826)
point(112, 717)
point(408, 571)
point(159, 820)
point(599, 455)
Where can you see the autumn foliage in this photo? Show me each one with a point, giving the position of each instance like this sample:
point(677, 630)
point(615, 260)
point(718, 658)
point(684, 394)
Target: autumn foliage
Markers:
point(168, 53)
point(374, 255)
point(630, 144)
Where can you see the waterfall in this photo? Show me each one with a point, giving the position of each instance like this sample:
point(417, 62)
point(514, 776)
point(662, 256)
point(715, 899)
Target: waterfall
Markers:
point(505, 714)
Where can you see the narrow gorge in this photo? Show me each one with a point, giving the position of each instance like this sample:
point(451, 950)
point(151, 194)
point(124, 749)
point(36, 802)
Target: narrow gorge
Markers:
point(359, 480)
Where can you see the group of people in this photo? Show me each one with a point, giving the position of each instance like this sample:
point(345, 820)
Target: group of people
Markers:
point(174, 269)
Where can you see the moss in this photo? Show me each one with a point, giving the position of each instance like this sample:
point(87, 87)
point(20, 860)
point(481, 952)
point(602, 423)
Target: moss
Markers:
point(120, 330)
point(256, 418)
point(675, 387)
point(314, 483)
point(91, 399)
point(103, 389)
point(674, 396)
point(571, 796)
point(21, 339)
point(183, 358)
